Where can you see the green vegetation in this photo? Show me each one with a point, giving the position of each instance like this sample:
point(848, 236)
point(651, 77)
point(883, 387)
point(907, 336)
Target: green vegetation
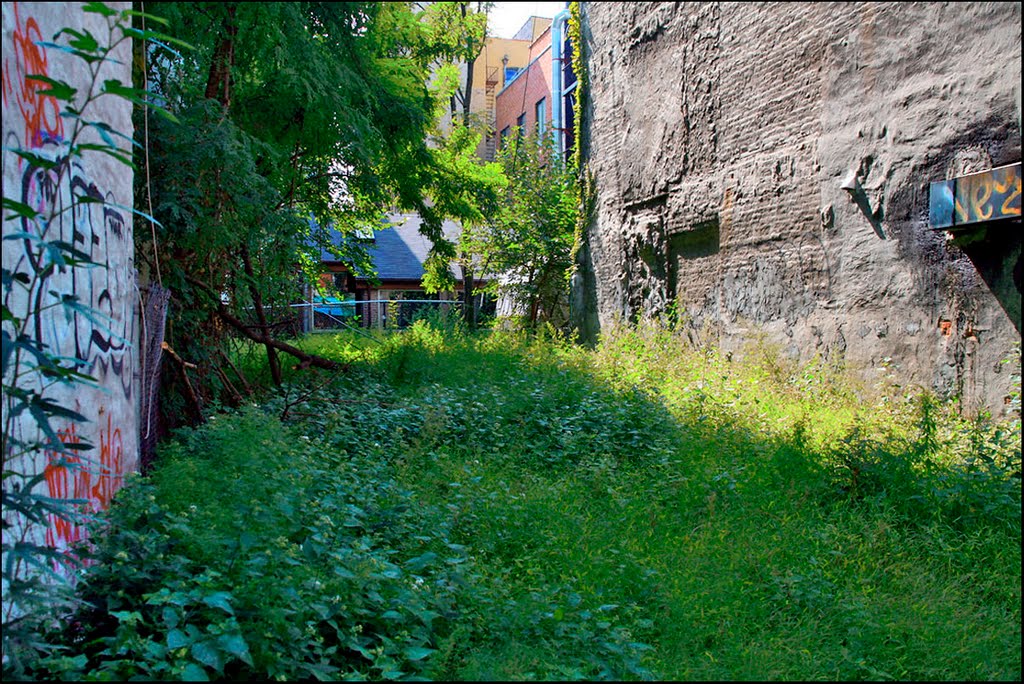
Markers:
point(530, 235)
point(291, 118)
point(505, 506)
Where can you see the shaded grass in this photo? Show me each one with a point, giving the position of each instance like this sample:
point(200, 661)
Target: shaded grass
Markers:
point(755, 523)
point(643, 510)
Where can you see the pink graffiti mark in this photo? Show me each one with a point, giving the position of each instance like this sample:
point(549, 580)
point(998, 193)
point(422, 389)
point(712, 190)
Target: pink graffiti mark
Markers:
point(41, 113)
point(68, 476)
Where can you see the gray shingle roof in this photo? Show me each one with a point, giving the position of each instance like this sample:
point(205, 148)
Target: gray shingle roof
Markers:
point(398, 252)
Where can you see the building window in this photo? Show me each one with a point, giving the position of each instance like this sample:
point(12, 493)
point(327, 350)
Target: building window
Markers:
point(503, 136)
point(542, 117)
point(510, 73)
point(569, 124)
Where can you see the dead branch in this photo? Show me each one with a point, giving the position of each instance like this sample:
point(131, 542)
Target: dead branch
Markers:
point(191, 395)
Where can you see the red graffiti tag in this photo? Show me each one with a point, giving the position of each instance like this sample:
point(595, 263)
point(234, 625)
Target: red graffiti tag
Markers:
point(41, 113)
point(68, 476)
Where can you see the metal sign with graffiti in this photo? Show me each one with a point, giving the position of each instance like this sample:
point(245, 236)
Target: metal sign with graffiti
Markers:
point(986, 196)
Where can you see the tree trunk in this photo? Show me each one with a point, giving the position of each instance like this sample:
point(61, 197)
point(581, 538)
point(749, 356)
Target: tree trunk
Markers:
point(218, 83)
point(470, 60)
point(468, 308)
point(261, 317)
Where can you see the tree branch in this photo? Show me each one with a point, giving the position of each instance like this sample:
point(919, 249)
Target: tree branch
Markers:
point(305, 359)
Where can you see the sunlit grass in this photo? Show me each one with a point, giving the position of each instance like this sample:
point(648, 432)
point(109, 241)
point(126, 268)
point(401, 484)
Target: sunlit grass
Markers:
point(734, 544)
point(642, 510)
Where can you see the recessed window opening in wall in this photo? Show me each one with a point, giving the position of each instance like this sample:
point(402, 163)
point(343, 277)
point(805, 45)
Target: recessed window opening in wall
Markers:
point(704, 239)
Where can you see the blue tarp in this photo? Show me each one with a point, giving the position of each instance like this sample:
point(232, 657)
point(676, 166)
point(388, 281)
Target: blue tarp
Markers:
point(332, 306)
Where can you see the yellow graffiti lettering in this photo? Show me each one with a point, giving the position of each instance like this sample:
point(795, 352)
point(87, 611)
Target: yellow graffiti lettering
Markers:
point(964, 218)
point(1006, 208)
point(982, 193)
point(1003, 180)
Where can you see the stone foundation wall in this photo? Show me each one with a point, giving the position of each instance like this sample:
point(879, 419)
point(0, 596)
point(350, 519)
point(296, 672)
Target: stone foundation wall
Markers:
point(718, 135)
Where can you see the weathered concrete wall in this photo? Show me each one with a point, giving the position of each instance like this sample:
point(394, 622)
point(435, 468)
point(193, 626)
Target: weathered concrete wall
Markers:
point(103, 231)
point(718, 135)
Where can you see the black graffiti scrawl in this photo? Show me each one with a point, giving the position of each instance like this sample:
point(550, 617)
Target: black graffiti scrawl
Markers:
point(100, 338)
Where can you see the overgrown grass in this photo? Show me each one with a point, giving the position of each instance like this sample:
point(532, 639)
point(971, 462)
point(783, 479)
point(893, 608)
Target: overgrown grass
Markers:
point(512, 507)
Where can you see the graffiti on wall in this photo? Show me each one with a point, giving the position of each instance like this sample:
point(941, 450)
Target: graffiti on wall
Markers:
point(975, 198)
point(70, 476)
point(41, 113)
point(97, 330)
point(99, 231)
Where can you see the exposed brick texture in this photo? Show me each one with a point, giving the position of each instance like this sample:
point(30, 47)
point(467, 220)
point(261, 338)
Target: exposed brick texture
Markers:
point(521, 95)
point(718, 134)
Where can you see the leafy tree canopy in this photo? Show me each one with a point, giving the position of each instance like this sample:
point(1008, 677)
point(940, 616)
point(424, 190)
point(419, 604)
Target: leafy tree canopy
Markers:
point(294, 117)
point(527, 242)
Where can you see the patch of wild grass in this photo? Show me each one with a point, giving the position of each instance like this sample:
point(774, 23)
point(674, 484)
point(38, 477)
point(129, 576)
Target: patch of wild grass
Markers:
point(512, 506)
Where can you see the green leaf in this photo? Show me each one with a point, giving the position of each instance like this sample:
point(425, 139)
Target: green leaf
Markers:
point(176, 638)
point(54, 409)
point(204, 652)
point(417, 564)
point(90, 58)
point(137, 96)
point(131, 617)
point(156, 650)
point(35, 159)
point(171, 619)
point(148, 17)
point(427, 616)
point(9, 280)
point(236, 646)
point(58, 89)
point(19, 209)
point(157, 38)
point(417, 652)
point(220, 600)
point(97, 318)
point(82, 41)
point(22, 235)
point(135, 211)
point(68, 248)
point(108, 150)
point(99, 8)
point(194, 673)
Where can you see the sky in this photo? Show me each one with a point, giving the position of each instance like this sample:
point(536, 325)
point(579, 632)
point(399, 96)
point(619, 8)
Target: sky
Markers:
point(508, 17)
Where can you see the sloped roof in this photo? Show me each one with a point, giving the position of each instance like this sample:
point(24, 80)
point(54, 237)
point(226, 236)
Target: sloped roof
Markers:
point(399, 251)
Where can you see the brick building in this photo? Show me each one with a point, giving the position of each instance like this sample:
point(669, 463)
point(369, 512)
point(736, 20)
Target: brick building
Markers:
point(766, 168)
point(540, 97)
point(525, 101)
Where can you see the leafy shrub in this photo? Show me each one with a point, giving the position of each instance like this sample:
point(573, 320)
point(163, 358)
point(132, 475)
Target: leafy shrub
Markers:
point(284, 559)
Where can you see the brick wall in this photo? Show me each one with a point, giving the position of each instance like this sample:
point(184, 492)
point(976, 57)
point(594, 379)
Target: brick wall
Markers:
point(718, 134)
point(521, 95)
